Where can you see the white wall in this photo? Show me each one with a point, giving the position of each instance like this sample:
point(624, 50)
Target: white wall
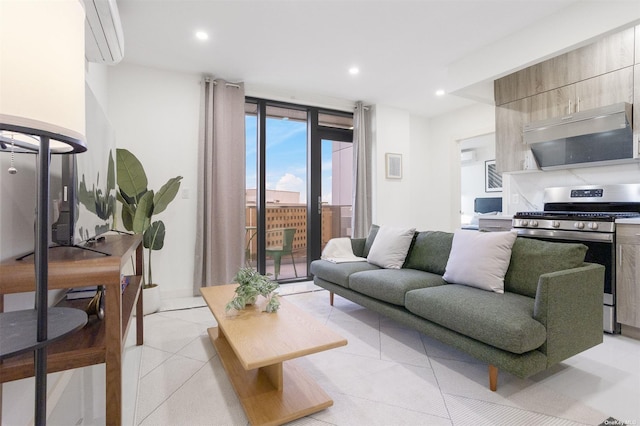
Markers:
point(155, 115)
point(399, 202)
point(442, 184)
point(419, 201)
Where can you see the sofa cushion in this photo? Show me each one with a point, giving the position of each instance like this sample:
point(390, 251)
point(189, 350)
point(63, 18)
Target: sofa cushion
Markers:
point(357, 245)
point(373, 231)
point(430, 252)
point(531, 258)
point(501, 320)
point(480, 259)
point(390, 285)
point(390, 247)
point(338, 273)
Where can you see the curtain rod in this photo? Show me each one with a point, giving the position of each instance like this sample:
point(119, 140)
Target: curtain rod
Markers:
point(237, 86)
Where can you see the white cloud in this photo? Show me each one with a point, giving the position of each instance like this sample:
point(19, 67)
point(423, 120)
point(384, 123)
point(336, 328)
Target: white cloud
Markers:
point(327, 197)
point(290, 182)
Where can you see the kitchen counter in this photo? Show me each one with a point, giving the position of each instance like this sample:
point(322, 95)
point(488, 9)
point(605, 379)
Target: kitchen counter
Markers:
point(630, 221)
point(495, 223)
point(496, 217)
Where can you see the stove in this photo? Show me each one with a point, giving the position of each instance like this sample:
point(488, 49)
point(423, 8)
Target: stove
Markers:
point(587, 215)
point(571, 220)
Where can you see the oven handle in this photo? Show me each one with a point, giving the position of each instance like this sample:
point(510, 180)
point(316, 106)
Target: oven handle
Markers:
point(567, 235)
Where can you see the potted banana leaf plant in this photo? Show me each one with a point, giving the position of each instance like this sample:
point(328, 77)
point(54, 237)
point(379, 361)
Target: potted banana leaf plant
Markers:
point(139, 206)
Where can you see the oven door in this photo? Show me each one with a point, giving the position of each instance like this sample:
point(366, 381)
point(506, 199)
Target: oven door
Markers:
point(601, 249)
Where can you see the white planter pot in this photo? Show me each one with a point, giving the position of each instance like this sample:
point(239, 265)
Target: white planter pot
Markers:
point(151, 300)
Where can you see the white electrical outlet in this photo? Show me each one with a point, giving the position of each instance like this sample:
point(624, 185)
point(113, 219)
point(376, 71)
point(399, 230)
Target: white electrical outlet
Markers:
point(515, 198)
point(185, 194)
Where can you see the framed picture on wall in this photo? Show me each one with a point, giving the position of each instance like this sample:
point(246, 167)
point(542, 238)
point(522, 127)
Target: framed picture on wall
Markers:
point(492, 179)
point(393, 166)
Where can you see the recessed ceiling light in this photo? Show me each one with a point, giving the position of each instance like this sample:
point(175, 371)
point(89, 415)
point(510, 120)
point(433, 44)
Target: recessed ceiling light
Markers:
point(354, 70)
point(440, 92)
point(201, 35)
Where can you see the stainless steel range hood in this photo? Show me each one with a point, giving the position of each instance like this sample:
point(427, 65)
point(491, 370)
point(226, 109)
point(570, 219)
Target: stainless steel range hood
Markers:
point(599, 136)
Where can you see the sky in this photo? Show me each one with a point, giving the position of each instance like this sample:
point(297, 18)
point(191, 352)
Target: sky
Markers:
point(286, 157)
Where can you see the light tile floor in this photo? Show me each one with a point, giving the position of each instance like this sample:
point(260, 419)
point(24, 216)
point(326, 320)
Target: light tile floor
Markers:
point(386, 375)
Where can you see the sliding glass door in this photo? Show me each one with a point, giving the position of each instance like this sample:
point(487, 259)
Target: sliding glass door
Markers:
point(286, 173)
point(337, 182)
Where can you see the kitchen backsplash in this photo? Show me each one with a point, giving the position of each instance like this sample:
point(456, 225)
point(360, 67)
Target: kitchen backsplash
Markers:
point(523, 191)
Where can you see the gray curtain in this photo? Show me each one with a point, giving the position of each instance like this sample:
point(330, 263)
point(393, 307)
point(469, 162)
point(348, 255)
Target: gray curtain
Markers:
point(361, 218)
point(221, 184)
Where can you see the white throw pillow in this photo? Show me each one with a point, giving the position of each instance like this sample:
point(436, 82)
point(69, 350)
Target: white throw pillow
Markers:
point(480, 259)
point(390, 247)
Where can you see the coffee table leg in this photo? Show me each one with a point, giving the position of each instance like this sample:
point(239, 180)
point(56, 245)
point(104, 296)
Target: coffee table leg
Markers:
point(274, 373)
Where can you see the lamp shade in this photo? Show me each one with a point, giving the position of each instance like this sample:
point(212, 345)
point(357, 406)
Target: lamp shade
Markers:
point(42, 73)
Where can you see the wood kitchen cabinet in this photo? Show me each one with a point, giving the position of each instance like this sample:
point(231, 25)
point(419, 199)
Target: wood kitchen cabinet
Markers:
point(510, 147)
point(606, 89)
point(554, 103)
point(627, 270)
point(609, 54)
point(538, 78)
point(603, 90)
point(100, 341)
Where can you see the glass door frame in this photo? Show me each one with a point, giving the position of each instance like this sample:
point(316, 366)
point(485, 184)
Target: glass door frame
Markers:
point(316, 132)
point(314, 209)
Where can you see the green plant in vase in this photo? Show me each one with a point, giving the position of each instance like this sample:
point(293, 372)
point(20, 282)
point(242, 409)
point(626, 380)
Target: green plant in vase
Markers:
point(140, 205)
point(99, 199)
point(252, 285)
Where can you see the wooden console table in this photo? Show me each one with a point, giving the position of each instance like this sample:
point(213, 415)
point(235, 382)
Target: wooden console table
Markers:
point(100, 341)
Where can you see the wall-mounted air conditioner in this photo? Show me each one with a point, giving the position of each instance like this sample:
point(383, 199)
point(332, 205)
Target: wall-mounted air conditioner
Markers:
point(467, 156)
point(104, 41)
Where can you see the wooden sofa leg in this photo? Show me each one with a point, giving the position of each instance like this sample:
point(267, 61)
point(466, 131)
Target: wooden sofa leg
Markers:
point(331, 298)
point(493, 378)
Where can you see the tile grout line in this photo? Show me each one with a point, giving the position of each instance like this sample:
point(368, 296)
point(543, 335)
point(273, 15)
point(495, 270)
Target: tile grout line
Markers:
point(176, 390)
point(435, 376)
point(522, 410)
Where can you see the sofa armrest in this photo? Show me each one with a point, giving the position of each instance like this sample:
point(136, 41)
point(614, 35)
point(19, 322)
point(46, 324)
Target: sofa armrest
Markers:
point(357, 244)
point(569, 304)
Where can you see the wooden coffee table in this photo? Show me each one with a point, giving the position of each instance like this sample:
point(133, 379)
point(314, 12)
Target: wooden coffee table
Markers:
point(257, 348)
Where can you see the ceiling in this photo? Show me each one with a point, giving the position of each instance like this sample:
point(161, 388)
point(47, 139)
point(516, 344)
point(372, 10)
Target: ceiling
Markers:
point(304, 48)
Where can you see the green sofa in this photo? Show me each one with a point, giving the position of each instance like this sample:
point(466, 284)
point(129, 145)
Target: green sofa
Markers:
point(551, 308)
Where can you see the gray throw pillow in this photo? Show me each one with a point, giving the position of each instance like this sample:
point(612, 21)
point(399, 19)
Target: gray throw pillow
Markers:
point(430, 252)
point(373, 231)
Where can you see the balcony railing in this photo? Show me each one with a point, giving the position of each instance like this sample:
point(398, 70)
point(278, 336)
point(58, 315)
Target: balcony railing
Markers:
point(336, 222)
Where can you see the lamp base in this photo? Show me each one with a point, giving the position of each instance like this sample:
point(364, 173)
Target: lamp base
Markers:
point(18, 329)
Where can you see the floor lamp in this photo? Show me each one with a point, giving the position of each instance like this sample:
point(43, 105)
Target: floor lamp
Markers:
point(42, 113)
point(33, 329)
